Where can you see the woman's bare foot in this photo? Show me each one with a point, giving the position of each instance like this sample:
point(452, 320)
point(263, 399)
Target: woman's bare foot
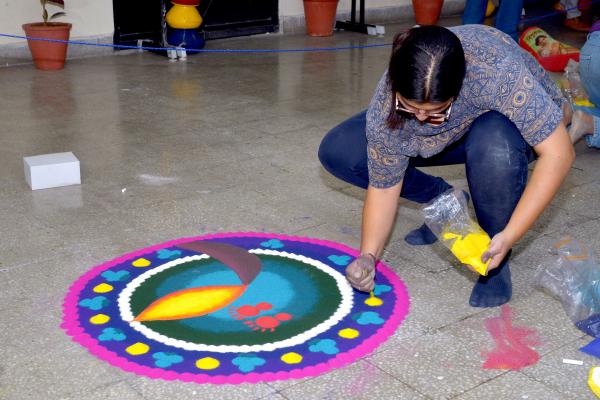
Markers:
point(567, 113)
point(581, 125)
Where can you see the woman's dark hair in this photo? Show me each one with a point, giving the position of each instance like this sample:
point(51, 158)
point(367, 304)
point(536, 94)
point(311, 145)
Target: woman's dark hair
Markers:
point(427, 66)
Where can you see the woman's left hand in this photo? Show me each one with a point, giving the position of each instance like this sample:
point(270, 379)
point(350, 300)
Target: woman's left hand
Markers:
point(497, 250)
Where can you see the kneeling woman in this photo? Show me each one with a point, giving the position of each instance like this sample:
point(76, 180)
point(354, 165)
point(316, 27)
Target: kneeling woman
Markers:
point(451, 96)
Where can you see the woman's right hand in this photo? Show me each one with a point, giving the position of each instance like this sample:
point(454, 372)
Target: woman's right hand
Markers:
point(379, 213)
point(361, 273)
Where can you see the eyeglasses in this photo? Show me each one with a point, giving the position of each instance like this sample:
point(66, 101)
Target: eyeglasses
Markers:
point(432, 118)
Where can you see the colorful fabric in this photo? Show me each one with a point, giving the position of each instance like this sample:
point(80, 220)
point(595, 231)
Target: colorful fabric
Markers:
point(595, 27)
point(232, 308)
point(500, 76)
point(552, 54)
point(592, 348)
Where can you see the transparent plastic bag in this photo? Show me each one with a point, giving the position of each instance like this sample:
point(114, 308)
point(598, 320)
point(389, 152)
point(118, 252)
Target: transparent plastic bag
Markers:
point(448, 218)
point(574, 277)
point(571, 86)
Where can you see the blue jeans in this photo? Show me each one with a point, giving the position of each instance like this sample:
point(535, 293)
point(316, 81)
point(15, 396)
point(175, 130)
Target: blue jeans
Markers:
point(507, 19)
point(589, 71)
point(494, 152)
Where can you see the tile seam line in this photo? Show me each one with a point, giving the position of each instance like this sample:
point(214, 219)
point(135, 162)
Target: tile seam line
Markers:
point(397, 379)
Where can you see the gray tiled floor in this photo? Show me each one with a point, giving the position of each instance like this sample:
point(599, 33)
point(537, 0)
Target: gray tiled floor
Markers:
point(228, 143)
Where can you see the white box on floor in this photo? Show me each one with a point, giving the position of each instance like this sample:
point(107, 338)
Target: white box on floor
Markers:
point(52, 170)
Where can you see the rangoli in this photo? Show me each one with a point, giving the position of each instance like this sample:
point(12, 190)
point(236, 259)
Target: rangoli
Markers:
point(232, 308)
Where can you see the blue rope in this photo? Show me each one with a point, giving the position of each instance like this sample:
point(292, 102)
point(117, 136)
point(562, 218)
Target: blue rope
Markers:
point(121, 46)
point(300, 50)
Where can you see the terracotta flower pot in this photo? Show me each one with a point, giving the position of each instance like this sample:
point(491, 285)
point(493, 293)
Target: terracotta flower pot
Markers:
point(427, 12)
point(320, 16)
point(48, 55)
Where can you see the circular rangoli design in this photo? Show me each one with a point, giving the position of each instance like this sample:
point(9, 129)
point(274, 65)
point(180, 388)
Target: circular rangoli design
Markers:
point(232, 308)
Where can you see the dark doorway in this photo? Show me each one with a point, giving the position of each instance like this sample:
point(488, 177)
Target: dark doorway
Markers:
point(137, 20)
point(144, 19)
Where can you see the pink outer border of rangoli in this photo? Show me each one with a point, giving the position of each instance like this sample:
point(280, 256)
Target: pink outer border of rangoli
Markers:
point(72, 327)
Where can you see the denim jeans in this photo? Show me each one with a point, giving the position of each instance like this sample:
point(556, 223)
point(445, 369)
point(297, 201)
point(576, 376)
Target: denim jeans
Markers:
point(495, 155)
point(507, 19)
point(589, 71)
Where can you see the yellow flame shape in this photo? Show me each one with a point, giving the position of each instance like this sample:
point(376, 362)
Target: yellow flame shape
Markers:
point(189, 303)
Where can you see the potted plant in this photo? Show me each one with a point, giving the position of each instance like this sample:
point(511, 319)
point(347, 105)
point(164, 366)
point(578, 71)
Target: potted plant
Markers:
point(48, 55)
point(320, 16)
point(427, 12)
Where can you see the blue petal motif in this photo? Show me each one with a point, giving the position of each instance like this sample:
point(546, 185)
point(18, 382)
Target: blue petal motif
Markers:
point(327, 346)
point(340, 260)
point(166, 359)
point(115, 276)
point(112, 334)
point(272, 244)
point(165, 254)
point(248, 362)
point(368, 318)
point(95, 303)
point(380, 289)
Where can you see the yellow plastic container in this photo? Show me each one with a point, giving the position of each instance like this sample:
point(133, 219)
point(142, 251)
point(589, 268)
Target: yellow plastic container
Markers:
point(594, 381)
point(183, 17)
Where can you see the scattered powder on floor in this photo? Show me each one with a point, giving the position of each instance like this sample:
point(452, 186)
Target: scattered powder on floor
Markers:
point(157, 180)
point(513, 343)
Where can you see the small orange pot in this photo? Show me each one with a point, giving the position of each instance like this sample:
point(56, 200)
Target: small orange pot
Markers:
point(48, 55)
point(320, 16)
point(427, 12)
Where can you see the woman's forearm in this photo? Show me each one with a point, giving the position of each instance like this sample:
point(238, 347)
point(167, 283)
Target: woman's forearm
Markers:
point(379, 213)
point(556, 155)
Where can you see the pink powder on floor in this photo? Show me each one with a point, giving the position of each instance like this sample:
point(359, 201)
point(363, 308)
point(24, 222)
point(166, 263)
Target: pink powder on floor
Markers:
point(513, 343)
point(362, 384)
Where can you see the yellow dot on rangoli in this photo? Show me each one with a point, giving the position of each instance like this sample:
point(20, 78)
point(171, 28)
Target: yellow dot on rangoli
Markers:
point(349, 333)
point(291, 358)
point(373, 301)
point(140, 263)
point(99, 319)
point(103, 288)
point(207, 363)
point(137, 349)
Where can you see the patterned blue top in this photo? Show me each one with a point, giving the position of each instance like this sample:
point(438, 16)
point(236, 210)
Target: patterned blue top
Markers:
point(500, 76)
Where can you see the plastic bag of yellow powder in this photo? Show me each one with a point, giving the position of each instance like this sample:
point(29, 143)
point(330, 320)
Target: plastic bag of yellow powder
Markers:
point(448, 218)
point(469, 248)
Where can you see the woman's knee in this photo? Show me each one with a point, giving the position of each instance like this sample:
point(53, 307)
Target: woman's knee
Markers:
point(329, 154)
point(497, 159)
point(346, 144)
point(343, 151)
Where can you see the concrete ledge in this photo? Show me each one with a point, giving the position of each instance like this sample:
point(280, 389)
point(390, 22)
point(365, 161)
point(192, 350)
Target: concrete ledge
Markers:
point(18, 53)
point(293, 24)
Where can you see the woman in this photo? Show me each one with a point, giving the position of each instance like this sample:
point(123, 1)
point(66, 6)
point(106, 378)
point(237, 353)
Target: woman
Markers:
point(586, 121)
point(465, 95)
point(507, 19)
